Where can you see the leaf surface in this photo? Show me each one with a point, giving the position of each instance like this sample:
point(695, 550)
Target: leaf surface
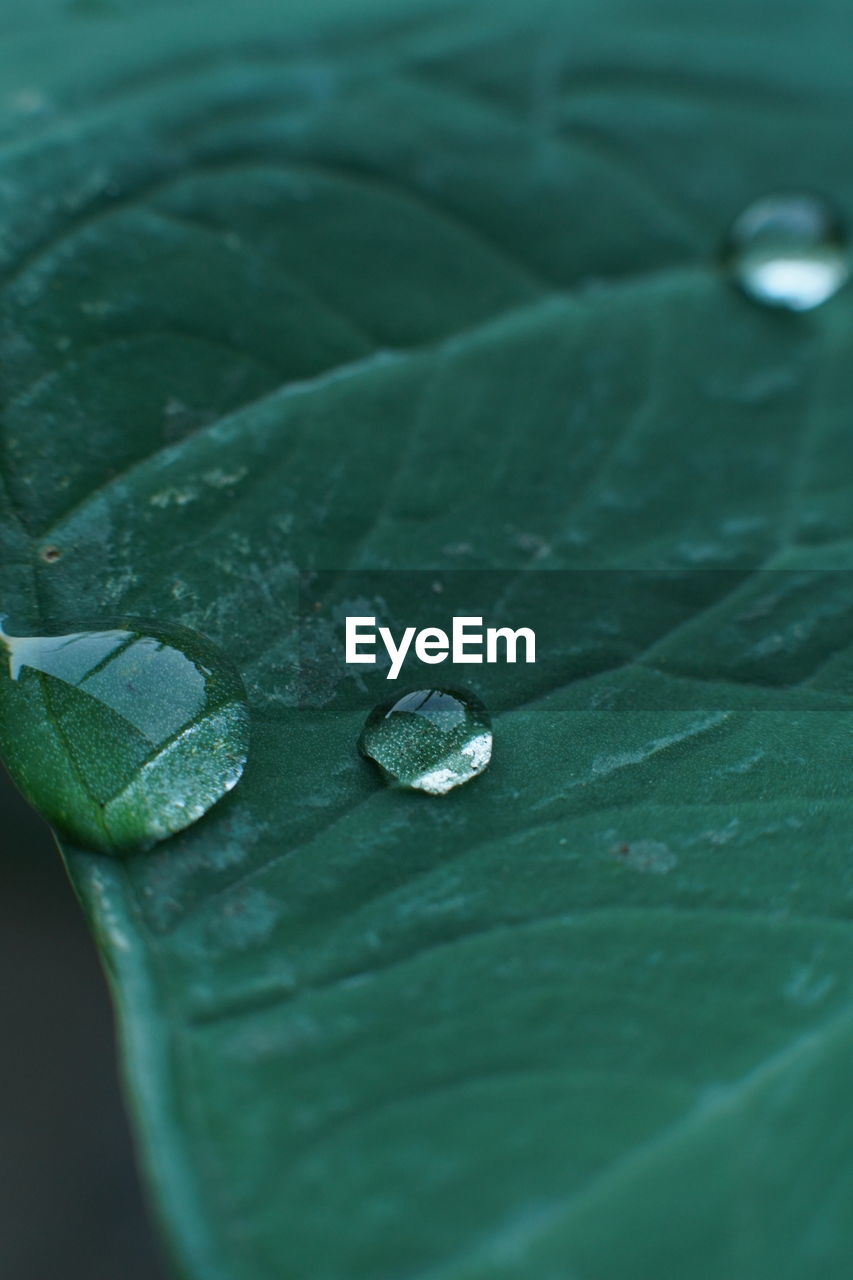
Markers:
point(436, 289)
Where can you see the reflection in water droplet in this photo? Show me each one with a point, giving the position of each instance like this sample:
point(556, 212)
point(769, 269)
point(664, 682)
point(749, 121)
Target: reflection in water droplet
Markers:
point(788, 251)
point(431, 740)
point(123, 735)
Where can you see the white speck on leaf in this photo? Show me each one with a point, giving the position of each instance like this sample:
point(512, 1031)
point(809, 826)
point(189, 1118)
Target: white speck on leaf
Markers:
point(174, 497)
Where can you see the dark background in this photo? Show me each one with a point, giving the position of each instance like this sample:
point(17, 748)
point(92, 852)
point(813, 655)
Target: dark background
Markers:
point(71, 1207)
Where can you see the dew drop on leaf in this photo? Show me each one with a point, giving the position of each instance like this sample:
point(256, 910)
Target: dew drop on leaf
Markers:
point(120, 734)
point(430, 740)
point(788, 251)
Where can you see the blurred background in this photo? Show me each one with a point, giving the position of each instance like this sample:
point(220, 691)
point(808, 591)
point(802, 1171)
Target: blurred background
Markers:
point(71, 1207)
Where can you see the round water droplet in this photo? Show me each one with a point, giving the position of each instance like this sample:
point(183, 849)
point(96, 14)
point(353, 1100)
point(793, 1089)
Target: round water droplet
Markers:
point(789, 251)
point(431, 740)
point(123, 734)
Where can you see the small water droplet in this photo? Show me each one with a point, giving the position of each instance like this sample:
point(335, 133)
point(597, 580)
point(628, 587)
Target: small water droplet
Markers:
point(430, 740)
point(789, 251)
point(120, 734)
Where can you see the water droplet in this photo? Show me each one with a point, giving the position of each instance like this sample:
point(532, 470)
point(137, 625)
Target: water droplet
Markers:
point(123, 734)
point(431, 740)
point(789, 251)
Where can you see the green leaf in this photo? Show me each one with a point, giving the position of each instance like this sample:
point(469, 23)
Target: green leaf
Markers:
point(386, 287)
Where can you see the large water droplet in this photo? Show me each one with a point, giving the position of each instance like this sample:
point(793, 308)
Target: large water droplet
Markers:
point(789, 251)
point(123, 735)
point(431, 740)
